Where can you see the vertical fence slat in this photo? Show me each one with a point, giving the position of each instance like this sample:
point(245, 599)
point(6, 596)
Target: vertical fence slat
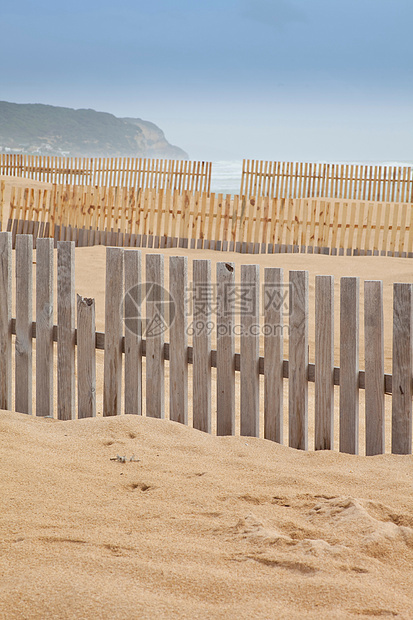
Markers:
point(112, 388)
point(24, 320)
point(250, 351)
point(5, 320)
point(86, 357)
point(44, 327)
point(374, 366)
point(201, 341)
point(274, 292)
point(298, 361)
point(178, 338)
point(133, 331)
point(349, 365)
point(66, 330)
point(324, 363)
point(402, 369)
point(155, 317)
point(225, 350)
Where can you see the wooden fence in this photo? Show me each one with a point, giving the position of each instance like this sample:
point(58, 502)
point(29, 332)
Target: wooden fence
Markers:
point(344, 181)
point(171, 174)
point(129, 217)
point(133, 312)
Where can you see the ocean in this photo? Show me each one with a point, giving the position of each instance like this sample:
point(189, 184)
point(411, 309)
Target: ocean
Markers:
point(226, 175)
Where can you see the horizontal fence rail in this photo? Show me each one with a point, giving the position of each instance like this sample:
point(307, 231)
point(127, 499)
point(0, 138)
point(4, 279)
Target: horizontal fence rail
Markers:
point(109, 172)
point(148, 218)
point(318, 180)
point(141, 314)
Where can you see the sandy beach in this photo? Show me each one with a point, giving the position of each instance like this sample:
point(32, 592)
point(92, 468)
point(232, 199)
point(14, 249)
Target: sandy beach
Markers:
point(196, 526)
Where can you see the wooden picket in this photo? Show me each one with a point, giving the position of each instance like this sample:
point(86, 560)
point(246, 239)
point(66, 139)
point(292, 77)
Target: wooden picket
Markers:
point(24, 311)
point(318, 180)
point(349, 365)
point(201, 344)
point(44, 327)
point(86, 357)
point(225, 349)
point(148, 218)
point(126, 318)
point(324, 363)
point(5, 321)
point(66, 330)
point(158, 174)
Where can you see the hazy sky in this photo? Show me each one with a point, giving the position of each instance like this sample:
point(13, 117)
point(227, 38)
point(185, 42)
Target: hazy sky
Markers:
point(267, 79)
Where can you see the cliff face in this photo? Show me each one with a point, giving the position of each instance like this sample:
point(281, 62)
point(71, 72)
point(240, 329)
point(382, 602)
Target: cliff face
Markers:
point(156, 143)
point(50, 130)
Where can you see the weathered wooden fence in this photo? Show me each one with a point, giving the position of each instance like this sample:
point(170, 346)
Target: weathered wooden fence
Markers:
point(148, 218)
point(139, 317)
point(310, 180)
point(109, 172)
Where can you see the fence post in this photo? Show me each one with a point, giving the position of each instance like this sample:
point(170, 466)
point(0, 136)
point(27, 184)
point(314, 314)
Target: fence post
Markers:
point(349, 365)
point(250, 351)
point(402, 369)
point(44, 327)
point(225, 350)
point(273, 354)
point(5, 320)
point(298, 361)
point(374, 366)
point(178, 347)
point(324, 363)
point(24, 323)
point(65, 330)
point(133, 331)
point(201, 341)
point(112, 389)
point(86, 358)
point(155, 326)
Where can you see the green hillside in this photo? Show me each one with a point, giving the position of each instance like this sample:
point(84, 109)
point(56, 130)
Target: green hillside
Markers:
point(50, 130)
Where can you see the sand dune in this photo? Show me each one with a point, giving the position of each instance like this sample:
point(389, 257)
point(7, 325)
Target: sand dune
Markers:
point(197, 526)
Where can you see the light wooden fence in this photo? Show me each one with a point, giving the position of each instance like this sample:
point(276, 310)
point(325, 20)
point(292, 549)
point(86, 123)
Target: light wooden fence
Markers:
point(310, 180)
point(124, 344)
point(109, 172)
point(128, 217)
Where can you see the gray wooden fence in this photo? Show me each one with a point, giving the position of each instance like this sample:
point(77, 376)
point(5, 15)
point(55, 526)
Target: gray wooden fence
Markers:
point(228, 313)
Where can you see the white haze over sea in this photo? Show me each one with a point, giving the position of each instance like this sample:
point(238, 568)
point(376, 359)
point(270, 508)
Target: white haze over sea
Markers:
point(226, 175)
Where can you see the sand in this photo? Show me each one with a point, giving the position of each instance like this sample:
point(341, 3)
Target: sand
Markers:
point(197, 526)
